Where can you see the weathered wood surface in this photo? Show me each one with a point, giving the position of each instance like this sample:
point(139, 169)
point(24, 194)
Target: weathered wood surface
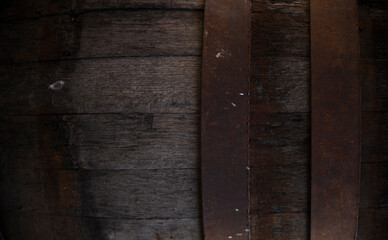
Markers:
point(280, 84)
point(280, 28)
point(42, 226)
point(102, 34)
point(373, 216)
point(280, 226)
point(280, 125)
point(374, 74)
point(280, 176)
point(293, 7)
point(280, 139)
point(118, 85)
point(374, 223)
point(282, 143)
point(280, 100)
point(374, 137)
point(112, 151)
point(283, 195)
point(14, 10)
point(101, 141)
point(280, 121)
point(373, 29)
point(280, 180)
point(129, 194)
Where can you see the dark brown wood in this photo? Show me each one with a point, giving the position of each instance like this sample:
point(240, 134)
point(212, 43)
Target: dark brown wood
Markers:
point(280, 174)
point(145, 85)
point(102, 34)
point(373, 219)
point(154, 124)
point(373, 47)
point(335, 119)
point(286, 187)
point(22, 9)
point(295, 7)
point(280, 139)
point(103, 193)
point(282, 226)
point(280, 84)
point(107, 146)
point(225, 119)
point(35, 226)
point(102, 141)
point(280, 120)
point(278, 33)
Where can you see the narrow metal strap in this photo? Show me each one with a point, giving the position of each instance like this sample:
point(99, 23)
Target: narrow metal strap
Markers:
point(225, 119)
point(336, 113)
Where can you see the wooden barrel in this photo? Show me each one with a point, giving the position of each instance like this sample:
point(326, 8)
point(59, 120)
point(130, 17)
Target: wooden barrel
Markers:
point(100, 119)
point(99, 123)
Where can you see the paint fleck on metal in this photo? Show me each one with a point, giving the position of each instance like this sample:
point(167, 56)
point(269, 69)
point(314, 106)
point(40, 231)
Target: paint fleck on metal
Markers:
point(225, 119)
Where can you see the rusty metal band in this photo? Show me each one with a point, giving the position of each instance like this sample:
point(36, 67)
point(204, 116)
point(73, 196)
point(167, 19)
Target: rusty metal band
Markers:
point(336, 114)
point(225, 119)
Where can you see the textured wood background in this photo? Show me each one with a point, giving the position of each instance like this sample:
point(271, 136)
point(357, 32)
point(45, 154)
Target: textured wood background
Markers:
point(280, 119)
point(373, 21)
point(114, 154)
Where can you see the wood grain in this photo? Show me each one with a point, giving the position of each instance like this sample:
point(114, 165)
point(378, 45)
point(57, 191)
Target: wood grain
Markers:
point(281, 226)
point(189, 229)
point(375, 183)
point(280, 175)
point(288, 192)
point(374, 77)
point(102, 34)
point(280, 135)
point(68, 30)
point(280, 139)
point(280, 33)
point(280, 120)
point(129, 194)
point(373, 222)
point(373, 23)
point(280, 84)
point(14, 10)
point(292, 7)
point(31, 226)
point(373, 216)
point(102, 141)
point(112, 151)
point(124, 85)
point(374, 135)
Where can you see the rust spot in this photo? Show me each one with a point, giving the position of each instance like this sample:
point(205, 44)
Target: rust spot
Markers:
point(57, 159)
point(158, 237)
point(61, 190)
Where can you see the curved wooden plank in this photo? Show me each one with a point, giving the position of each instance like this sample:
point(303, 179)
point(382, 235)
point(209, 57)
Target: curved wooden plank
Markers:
point(23, 9)
point(102, 34)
